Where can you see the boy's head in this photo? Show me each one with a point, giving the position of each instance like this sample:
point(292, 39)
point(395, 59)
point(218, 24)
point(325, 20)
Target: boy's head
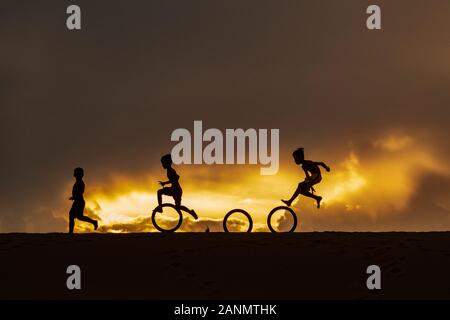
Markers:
point(78, 173)
point(299, 155)
point(166, 161)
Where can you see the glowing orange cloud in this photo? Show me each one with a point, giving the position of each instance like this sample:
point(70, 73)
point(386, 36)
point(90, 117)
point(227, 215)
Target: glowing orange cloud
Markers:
point(375, 185)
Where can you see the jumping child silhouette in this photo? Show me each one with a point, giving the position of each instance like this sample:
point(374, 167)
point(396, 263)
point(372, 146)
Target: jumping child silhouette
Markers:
point(174, 190)
point(76, 212)
point(313, 176)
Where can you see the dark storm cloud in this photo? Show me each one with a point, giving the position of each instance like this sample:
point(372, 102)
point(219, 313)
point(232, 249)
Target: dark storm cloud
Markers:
point(108, 97)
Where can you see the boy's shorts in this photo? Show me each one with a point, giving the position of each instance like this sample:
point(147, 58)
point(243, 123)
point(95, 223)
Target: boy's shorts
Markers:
point(173, 192)
point(312, 180)
point(77, 209)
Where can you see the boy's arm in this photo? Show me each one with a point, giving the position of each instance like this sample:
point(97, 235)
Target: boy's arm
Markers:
point(323, 165)
point(172, 176)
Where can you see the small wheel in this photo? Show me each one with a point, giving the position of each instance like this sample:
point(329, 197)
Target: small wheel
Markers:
point(245, 213)
point(180, 219)
point(294, 216)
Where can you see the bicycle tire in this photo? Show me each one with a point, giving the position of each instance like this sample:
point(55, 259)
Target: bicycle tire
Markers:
point(269, 217)
point(245, 213)
point(180, 220)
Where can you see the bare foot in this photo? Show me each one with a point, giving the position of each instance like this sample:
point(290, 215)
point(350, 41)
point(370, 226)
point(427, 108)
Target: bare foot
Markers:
point(318, 199)
point(286, 202)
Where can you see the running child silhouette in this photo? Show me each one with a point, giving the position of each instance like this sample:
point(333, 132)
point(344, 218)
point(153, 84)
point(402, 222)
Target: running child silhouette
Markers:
point(313, 176)
point(76, 212)
point(174, 190)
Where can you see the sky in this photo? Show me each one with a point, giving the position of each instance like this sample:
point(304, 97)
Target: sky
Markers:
point(373, 105)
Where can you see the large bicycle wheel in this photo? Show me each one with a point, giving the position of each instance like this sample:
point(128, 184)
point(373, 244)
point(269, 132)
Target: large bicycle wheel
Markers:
point(294, 216)
point(180, 218)
point(245, 213)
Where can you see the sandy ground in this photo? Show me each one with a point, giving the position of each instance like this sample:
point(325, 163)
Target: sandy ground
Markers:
point(226, 266)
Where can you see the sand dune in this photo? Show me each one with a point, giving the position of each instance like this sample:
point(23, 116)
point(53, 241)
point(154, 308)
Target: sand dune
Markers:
point(226, 266)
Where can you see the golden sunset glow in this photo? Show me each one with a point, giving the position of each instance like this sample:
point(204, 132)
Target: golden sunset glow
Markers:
point(372, 186)
point(371, 104)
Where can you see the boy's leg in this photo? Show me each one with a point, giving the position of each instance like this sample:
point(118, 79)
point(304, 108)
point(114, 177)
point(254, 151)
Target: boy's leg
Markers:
point(87, 219)
point(79, 215)
point(307, 193)
point(72, 216)
point(71, 224)
point(297, 192)
point(176, 194)
point(178, 202)
point(160, 193)
point(177, 199)
point(303, 189)
point(164, 191)
point(167, 191)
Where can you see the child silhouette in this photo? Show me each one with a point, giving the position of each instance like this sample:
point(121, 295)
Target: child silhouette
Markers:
point(313, 176)
point(174, 190)
point(76, 212)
